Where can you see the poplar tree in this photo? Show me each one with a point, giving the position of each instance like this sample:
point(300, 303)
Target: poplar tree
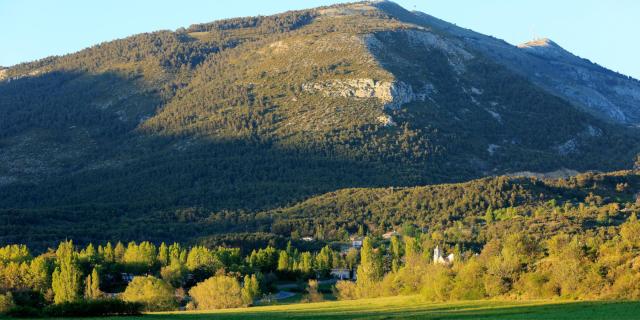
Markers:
point(283, 261)
point(66, 279)
point(92, 286)
point(370, 268)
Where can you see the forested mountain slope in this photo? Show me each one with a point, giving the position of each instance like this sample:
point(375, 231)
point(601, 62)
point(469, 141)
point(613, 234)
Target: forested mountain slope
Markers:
point(251, 114)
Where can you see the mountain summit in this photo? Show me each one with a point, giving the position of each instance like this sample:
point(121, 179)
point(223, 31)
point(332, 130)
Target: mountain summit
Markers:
point(248, 114)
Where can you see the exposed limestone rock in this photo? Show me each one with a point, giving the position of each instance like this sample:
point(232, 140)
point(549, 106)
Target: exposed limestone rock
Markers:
point(386, 120)
point(392, 94)
point(494, 114)
point(424, 39)
point(568, 147)
point(3, 73)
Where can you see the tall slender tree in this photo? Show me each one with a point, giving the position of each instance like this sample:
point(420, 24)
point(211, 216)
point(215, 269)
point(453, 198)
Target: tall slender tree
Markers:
point(66, 279)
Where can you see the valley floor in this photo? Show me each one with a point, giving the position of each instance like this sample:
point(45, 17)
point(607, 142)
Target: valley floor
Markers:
point(413, 307)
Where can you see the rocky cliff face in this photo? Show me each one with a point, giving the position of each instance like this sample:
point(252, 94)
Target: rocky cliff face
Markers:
point(393, 94)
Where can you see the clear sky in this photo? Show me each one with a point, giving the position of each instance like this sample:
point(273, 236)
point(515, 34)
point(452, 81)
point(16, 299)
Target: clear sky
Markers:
point(604, 31)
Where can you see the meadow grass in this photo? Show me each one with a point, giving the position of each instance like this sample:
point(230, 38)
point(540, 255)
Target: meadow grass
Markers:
point(413, 307)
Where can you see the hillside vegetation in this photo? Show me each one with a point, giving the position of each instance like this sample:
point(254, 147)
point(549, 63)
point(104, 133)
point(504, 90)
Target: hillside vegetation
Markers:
point(155, 135)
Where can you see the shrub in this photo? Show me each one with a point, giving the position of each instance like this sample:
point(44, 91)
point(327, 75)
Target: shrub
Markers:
point(153, 293)
point(346, 290)
point(92, 308)
point(314, 295)
point(468, 283)
point(24, 312)
point(217, 292)
point(436, 283)
point(6, 302)
point(174, 274)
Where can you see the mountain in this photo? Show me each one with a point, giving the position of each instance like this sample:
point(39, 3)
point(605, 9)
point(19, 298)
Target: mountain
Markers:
point(603, 93)
point(149, 136)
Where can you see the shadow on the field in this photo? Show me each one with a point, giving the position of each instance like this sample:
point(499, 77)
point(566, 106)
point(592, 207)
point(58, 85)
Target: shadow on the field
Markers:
point(464, 310)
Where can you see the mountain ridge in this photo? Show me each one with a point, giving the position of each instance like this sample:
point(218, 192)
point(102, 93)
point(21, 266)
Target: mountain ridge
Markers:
point(609, 95)
point(251, 114)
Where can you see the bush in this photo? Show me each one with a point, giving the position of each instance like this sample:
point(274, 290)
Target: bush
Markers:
point(346, 290)
point(217, 292)
point(24, 312)
point(6, 303)
point(106, 307)
point(313, 294)
point(153, 293)
point(468, 283)
point(436, 283)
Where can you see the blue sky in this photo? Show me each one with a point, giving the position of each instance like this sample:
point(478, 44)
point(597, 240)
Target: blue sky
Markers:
point(604, 31)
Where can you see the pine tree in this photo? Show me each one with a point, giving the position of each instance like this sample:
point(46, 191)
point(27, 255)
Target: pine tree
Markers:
point(66, 279)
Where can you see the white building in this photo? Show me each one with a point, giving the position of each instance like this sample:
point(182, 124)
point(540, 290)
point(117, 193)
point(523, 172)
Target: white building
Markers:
point(439, 258)
point(342, 273)
point(390, 234)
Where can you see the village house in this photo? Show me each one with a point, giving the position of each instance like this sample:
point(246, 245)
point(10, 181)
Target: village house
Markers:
point(356, 241)
point(343, 273)
point(439, 258)
point(390, 234)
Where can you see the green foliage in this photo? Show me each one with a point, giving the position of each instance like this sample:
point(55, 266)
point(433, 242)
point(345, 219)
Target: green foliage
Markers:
point(14, 253)
point(140, 256)
point(92, 286)
point(172, 136)
point(175, 274)
point(313, 295)
point(6, 302)
point(66, 279)
point(250, 289)
point(370, 269)
point(324, 261)
point(219, 292)
point(437, 283)
point(94, 308)
point(153, 293)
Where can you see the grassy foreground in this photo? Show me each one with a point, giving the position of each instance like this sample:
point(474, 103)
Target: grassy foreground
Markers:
point(415, 308)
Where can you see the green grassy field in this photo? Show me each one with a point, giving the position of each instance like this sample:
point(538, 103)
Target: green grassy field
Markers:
point(415, 308)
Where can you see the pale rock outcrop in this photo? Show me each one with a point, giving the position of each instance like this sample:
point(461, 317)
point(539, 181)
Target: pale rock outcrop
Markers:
point(393, 94)
point(386, 120)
